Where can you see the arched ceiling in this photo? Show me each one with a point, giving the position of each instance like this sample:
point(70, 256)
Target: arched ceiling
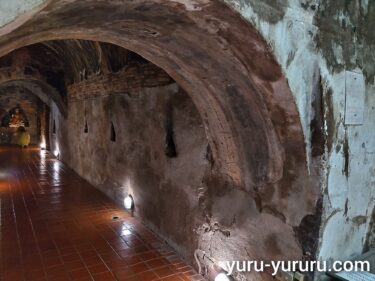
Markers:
point(222, 63)
point(42, 90)
point(64, 62)
point(227, 69)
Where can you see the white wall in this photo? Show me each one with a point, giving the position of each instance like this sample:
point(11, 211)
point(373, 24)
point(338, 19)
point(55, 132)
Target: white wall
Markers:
point(343, 232)
point(16, 12)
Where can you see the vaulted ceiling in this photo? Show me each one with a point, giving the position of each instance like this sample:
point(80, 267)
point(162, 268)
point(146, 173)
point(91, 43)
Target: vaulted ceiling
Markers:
point(64, 62)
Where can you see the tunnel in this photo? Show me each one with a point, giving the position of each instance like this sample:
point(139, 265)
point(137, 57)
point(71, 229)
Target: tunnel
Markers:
point(165, 140)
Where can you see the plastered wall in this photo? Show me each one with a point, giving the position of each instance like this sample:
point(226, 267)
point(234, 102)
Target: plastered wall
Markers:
point(315, 42)
point(327, 38)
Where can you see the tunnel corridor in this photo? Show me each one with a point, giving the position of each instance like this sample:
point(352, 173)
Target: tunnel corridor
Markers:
point(182, 151)
point(56, 226)
point(164, 139)
point(129, 128)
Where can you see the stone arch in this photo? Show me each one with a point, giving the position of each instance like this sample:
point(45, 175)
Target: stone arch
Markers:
point(229, 72)
point(42, 90)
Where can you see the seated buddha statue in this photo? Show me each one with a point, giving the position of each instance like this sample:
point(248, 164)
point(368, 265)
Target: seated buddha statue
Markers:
point(16, 119)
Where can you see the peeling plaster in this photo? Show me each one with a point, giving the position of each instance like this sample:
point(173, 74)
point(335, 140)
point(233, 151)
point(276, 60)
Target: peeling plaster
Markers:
point(16, 12)
point(337, 36)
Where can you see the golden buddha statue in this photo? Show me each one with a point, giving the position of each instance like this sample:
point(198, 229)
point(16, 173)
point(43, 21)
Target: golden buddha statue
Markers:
point(16, 120)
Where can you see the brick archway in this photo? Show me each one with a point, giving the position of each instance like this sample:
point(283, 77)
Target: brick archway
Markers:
point(39, 88)
point(229, 72)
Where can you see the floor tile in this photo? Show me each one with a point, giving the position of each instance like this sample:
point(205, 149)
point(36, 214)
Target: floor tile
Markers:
point(56, 226)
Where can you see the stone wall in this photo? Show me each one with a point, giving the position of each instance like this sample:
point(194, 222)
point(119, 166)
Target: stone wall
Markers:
point(182, 198)
point(129, 79)
point(164, 188)
point(316, 42)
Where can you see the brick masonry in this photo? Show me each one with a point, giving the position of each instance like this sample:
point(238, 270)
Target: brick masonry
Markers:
point(131, 78)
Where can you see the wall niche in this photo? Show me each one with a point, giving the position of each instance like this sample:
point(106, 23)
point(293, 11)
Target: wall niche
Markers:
point(15, 118)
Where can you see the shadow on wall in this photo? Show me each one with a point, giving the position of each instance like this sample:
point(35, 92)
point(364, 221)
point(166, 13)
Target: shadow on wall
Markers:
point(370, 240)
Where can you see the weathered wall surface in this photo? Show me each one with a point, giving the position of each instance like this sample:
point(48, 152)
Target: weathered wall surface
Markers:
point(325, 38)
point(14, 97)
point(15, 13)
point(129, 79)
point(314, 42)
point(182, 198)
point(10, 10)
point(164, 188)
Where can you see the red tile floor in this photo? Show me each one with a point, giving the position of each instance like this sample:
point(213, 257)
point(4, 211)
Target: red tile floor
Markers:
point(55, 226)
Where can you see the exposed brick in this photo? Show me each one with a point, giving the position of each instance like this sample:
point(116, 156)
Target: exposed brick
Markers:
point(133, 77)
